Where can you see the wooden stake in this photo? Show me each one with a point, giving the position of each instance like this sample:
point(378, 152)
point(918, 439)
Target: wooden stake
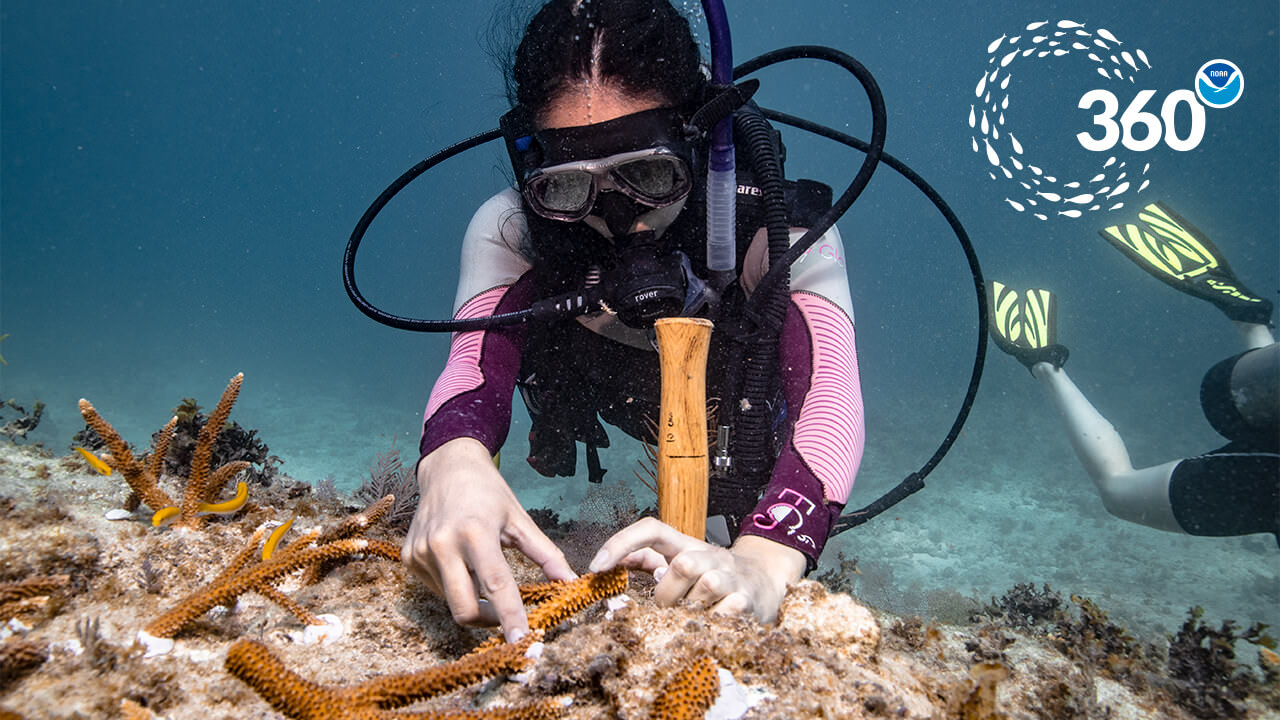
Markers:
point(682, 427)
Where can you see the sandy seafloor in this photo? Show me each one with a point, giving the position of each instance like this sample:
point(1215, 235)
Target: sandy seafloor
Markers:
point(938, 556)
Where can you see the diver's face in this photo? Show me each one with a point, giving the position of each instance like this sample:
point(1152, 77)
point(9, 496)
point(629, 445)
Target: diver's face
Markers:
point(613, 215)
point(593, 102)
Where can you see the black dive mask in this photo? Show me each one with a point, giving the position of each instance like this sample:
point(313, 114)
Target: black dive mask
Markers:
point(619, 177)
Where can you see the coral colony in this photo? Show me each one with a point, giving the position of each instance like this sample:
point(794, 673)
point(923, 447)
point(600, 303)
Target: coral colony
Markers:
point(144, 479)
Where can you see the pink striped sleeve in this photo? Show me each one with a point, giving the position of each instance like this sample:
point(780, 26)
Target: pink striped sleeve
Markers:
point(829, 433)
point(462, 373)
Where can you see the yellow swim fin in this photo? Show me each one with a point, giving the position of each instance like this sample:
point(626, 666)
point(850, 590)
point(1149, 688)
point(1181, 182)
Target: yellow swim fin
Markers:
point(1025, 325)
point(1169, 247)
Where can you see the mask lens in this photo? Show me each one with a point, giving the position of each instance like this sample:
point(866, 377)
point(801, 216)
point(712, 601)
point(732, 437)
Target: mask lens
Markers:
point(654, 179)
point(562, 192)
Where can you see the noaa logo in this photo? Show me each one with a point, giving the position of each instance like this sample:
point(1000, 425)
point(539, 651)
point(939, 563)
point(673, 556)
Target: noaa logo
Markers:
point(1219, 83)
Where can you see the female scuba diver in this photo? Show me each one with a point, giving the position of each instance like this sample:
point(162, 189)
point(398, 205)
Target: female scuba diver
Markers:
point(606, 144)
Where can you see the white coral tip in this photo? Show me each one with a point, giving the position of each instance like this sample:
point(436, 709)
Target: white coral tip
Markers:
point(615, 603)
point(533, 653)
point(155, 645)
point(326, 634)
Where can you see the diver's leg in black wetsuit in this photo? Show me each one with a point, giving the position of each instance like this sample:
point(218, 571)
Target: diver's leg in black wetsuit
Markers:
point(1235, 490)
point(1224, 493)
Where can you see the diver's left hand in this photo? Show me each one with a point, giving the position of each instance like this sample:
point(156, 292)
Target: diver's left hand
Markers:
point(750, 577)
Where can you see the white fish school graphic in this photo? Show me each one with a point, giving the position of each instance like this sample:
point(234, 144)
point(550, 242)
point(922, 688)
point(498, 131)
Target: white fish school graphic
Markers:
point(1042, 195)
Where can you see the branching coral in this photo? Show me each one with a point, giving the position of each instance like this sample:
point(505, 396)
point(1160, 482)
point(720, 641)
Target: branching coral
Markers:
point(18, 657)
point(690, 692)
point(144, 479)
point(299, 698)
point(555, 602)
point(15, 596)
point(259, 578)
point(312, 552)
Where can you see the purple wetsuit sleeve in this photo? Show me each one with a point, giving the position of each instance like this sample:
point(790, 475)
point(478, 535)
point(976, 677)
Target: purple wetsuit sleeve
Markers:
point(814, 472)
point(472, 396)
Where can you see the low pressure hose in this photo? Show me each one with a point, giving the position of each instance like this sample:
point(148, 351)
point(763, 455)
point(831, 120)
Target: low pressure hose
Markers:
point(752, 444)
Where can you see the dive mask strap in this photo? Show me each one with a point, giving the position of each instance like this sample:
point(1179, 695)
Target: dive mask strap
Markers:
point(727, 99)
point(517, 131)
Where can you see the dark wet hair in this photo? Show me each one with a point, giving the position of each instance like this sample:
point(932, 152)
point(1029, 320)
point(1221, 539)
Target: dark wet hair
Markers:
point(640, 46)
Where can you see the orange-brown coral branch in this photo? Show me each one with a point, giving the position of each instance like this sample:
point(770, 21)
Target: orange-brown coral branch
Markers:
point(34, 586)
point(350, 527)
point(141, 481)
point(283, 689)
point(20, 597)
point(559, 600)
point(574, 595)
point(299, 698)
point(155, 463)
point(18, 657)
point(390, 691)
point(261, 575)
point(199, 485)
point(689, 694)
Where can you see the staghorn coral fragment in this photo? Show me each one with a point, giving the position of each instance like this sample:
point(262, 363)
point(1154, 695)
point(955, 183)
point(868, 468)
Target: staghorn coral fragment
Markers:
point(391, 691)
point(203, 483)
point(18, 657)
point(142, 482)
point(24, 596)
point(361, 521)
point(574, 595)
point(350, 527)
point(252, 663)
point(690, 692)
point(302, 699)
point(561, 599)
point(155, 463)
point(226, 589)
point(199, 486)
point(36, 586)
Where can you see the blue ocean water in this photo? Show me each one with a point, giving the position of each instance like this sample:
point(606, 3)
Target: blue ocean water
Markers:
point(179, 182)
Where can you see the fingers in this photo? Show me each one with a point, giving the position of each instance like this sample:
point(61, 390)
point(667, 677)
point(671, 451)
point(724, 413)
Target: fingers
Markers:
point(698, 576)
point(645, 533)
point(528, 539)
point(735, 603)
point(499, 588)
point(648, 560)
point(416, 559)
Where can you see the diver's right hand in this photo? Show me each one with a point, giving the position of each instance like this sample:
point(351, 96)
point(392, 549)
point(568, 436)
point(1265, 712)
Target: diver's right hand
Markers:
point(466, 514)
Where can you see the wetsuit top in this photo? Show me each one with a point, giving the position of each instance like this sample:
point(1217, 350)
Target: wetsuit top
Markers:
point(821, 443)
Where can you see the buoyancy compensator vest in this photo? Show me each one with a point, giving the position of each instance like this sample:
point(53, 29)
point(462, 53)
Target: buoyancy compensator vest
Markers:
point(572, 377)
